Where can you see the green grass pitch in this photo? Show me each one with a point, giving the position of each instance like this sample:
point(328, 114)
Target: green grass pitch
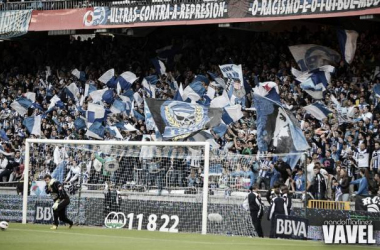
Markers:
point(37, 237)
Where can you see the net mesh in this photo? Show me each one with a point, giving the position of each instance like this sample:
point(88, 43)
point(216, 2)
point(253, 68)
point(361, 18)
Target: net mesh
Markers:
point(156, 188)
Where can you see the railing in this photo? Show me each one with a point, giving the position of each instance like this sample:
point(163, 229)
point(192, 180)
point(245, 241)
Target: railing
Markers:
point(331, 205)
point(75, 4)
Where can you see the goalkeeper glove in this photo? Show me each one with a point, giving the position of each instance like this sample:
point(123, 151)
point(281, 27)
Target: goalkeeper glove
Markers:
point(55, 206)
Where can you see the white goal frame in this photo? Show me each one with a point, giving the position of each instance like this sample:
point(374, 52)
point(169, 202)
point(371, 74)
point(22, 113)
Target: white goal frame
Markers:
point(206, 146)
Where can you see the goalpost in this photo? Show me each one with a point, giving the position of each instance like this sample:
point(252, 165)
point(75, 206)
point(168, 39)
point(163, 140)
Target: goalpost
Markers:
point(146, 185)
point(204, 145)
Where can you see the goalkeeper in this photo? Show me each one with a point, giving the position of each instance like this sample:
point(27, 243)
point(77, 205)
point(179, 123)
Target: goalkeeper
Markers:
point(61, 200)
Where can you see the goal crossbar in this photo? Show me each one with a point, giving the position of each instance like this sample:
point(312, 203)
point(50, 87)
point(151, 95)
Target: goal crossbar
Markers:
point(206, 146)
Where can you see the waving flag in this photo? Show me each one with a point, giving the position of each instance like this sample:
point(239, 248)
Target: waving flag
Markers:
point(31, 96)
point(268, 90)
point(232, 114)
point(232, 71)
point(21, 105)
point(114, 131)
point(220, 101)
point(194, 92)
point(33, 125)
point(81, 75)
point(88, 89)
point(125, 81)
point(220, 130)
point(175, 119)
point(125, 127)
point(316, 81)
point(97, 96)
point(318, 110)
point(179, 93)
point(107, 77)
point(219, 82)
point(72, 91)
point(95, 113)
point(149, 85)
point(159, 66)
point(79, 123)
point(96, 130)
point(311, 56)
point(118, 106)
point(277, 129)
point(347, 43)
point(55, 101)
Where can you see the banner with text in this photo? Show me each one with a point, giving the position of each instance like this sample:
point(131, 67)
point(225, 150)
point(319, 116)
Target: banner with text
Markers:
point(14, 23)
point(228, 9)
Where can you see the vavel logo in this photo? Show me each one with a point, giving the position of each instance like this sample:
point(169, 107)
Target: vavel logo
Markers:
point(348, 232)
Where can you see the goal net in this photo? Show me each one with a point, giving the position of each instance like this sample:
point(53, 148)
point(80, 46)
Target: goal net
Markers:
point(155, 186)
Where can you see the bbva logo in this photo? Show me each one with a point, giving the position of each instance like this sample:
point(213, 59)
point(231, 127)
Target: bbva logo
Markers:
point(115, 220)
point(291, 227)
point(44, 213)
point(348, 234)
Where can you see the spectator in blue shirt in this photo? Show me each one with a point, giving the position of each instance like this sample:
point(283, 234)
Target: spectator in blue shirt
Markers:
point(363, 182)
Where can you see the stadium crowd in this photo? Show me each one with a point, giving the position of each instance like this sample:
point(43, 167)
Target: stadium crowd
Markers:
point(344, 149)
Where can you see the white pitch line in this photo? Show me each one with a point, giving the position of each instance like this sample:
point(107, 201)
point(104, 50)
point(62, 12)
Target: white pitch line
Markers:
point(166, 240)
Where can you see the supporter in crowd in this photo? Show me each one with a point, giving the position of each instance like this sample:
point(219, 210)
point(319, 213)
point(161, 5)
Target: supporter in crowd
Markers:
point(348, 137)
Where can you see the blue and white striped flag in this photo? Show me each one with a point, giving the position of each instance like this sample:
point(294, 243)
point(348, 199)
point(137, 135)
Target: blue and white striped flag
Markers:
point(33, 125)
point(107, 77)
point(347, 43)
point(316, 81)
point(114, 131)
point(31, 96)
point(88, 89)
point(159, 66)
point(232, 114)
point(95, 113)
point(118, 106)
point(55, 101)
point(318, 110)
point(194, 92)
point(102, 95)
point(149, 85)
point(72, 91)
point(125, 81)
point(96, 130)
point(21, 105)
point(81, 75)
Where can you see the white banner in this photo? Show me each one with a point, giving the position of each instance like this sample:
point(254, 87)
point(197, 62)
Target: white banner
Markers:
point(14, 23)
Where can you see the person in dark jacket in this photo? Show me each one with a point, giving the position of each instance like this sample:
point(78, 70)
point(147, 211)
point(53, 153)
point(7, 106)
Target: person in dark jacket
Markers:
point(61, 200)
point(256, 209)
point(287, 197)
point(319, 186)
point(278, 207)
point(344, 184)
